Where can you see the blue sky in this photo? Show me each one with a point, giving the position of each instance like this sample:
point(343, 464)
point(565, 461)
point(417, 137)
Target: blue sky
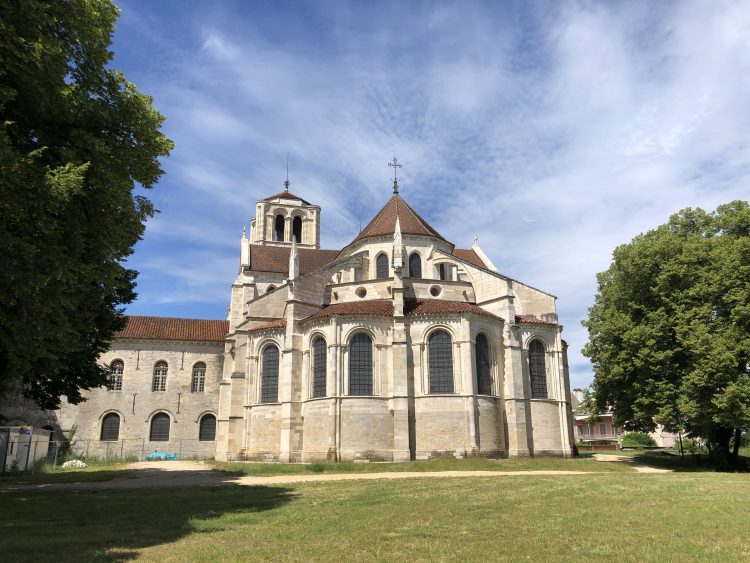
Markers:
point(553, 131)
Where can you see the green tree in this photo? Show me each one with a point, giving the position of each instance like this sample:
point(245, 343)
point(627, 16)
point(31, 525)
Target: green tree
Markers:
point(669, 331)
point(78, 144)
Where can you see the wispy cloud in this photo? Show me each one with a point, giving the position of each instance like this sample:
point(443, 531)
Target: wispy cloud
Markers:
point(553, 132)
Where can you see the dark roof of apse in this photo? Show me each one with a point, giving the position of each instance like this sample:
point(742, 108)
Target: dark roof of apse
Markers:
point(170, 328)
point(265, 258)
point(412, 308)
point(384, 223)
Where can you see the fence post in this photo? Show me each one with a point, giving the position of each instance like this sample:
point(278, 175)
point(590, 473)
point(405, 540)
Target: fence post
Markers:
point(86, 455)
point(122, 448)
point(57, 449)
point(143, 448)
point(179, 454)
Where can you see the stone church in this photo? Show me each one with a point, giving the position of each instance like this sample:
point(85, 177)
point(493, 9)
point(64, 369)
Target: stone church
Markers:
point(398, 346)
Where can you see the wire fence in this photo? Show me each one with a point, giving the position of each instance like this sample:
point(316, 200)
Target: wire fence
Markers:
point(23, 454)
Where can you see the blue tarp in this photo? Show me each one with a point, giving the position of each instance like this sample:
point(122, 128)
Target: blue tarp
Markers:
point(153, 456)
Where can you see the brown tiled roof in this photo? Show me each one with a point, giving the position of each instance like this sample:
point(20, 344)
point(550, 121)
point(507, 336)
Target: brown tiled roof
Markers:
point(469, 256)
point(412, 308)
point(374, 307)
point(286, 195)
point(276, 323)
point(276, 258)
point(417, 307)
point(168, 328)
point(384, 222)
point(533, 319)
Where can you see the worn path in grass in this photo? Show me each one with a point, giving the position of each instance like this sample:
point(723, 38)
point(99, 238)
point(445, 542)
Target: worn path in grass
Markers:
point(639, 467)
point(191, 474)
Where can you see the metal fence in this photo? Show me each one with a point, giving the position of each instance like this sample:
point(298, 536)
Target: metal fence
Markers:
point(25, 454)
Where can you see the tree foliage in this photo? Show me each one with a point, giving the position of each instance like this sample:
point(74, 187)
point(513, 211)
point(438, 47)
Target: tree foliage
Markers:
point(669, 332)
point(77, 144)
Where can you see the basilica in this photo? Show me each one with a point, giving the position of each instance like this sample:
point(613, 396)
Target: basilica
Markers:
point(398, 346)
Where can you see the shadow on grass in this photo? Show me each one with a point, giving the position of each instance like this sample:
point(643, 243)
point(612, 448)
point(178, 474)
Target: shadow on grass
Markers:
point(112, 525)
point(670, 460)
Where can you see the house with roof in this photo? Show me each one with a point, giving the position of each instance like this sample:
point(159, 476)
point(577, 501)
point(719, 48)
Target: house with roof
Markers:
point(397, 346)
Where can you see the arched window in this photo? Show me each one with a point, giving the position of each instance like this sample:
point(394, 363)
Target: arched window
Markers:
point(269, 382)
point(270, 288)
point(199, 378)
point(440, 350)
point(319, 367)
point(160, 377)
point(360, 365)
point(110, 427)
point(278, 228)
point(536, 370)
point(115, 375)
point(159, 428)
point(297, 228)
point(207, 428)
point(482, 359)
point(381, 266)
point(415, 265)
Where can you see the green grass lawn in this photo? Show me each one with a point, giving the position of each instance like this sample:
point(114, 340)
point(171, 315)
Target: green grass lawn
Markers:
point(442, 464)
point(610, 516)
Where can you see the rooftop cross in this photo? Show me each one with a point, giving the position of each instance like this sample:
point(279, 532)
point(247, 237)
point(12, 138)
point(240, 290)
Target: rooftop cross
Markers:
point(395, 166)
point(286, 182)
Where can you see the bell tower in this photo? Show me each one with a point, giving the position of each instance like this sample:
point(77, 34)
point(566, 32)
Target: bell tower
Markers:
point(283, 216)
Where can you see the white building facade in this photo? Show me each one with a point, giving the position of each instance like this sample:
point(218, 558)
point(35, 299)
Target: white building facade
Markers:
point(398, 346)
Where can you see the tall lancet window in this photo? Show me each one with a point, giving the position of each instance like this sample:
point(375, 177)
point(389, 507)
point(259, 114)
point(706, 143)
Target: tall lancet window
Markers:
point(269, 383)
point(278, 228)
point(360, 365)
point(415, 265)
point(160, 377)
point(537, 370)
point(381, 266)
point(319, 367)
point(297, 228)
point(440, 349)
point(483, 365)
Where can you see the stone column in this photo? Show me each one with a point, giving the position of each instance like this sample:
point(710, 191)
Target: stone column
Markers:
point(517, 393)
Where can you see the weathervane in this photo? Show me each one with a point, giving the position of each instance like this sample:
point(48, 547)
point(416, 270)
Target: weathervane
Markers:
point(395, 166)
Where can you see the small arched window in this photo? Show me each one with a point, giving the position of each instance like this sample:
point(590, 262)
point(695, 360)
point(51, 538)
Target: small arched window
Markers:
point(199, 378)
point(297, 228)
point(537, 370)
point(360, 365)
point(269, 382)
point(270, 288)
point(440, 351)
point(207, 428)
point(115, 375)
point(110, 427)
point(381, 266)
point(415, 265)
point(319, 367)
point(159, 428)
point(160, 377)
point(278, 228)
point(483, 366)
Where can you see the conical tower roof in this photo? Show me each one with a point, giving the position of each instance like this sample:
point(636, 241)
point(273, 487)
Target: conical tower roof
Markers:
point(384, 223)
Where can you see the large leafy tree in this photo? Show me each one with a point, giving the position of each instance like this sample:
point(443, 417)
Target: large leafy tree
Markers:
point(669, 332)
point(78, 142)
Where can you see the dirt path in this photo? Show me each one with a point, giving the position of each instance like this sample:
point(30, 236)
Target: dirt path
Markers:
point(161, 474)
point(639, 467)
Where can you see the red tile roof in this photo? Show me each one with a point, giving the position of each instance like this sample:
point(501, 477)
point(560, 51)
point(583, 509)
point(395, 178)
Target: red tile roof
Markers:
point(469, 256)
point(374, 307)
point(276, 323)
point(412, 308)
point(286, 195)
point(168, 328)
point(384, 222)
point(276, 258)
point(533, 319)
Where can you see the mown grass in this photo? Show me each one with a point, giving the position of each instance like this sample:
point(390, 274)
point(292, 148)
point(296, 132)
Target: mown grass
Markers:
point(45, 472)
point(610, 516)
point(440, 464)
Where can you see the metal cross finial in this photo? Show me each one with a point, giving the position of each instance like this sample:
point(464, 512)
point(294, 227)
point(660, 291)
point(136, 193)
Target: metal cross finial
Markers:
point(286, 182)
point(395, 166)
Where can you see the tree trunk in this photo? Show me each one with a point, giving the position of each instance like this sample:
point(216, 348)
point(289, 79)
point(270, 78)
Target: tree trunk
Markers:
point(736, 448)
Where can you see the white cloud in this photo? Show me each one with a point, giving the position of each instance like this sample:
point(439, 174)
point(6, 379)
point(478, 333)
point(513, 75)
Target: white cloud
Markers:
point(554, 134)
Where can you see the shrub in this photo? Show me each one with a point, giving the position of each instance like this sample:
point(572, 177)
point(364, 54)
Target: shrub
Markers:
point(638, 440)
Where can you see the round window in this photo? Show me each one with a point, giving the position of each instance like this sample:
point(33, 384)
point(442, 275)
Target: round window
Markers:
point(361, 292)
point(435, 290)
